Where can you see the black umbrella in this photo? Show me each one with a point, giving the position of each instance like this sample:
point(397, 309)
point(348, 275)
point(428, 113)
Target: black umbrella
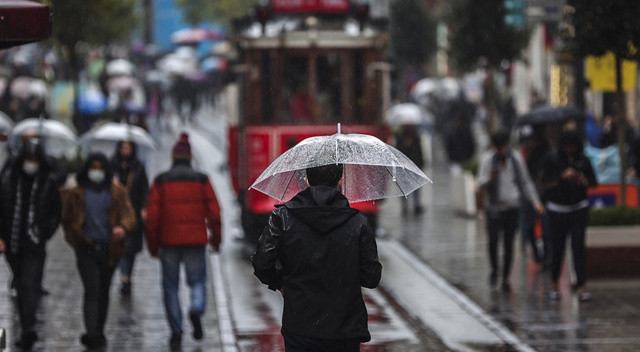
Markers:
point(548, 114)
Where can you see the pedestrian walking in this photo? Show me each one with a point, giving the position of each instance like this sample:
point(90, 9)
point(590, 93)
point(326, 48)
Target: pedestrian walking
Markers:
point(504, 177)
point(30, 214)
point(410, 144)
point(182, 208)
point(535, 150)
point(131, 174)
point(319, 252)
point(97, 216)
point(460, 143)
point(566, 176)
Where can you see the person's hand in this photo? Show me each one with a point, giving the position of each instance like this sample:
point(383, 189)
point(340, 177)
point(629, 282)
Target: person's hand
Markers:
point(215, 247)
point(119, 233)
point(632, 172)
point(154, 253)
point(494, 175)
point(3, 247)
point(281, 292)
point(539, 208)
point(569, 173)
point(143, 214)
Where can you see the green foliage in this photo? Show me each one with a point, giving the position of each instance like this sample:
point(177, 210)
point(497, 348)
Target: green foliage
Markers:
point(614, 216)
point(196, 11)
point(471, 166)
point(94, 22)
point(413, 32)
point(598, 26)
point(479, 34)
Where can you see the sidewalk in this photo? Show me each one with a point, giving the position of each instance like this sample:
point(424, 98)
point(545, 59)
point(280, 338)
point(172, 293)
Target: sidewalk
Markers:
point(135, 324)
point(455, 247)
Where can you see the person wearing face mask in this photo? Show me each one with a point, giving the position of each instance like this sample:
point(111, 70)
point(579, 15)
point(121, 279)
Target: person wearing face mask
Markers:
point(504, 177)
point(131, 174)
point(97, 216)
point(29, 216)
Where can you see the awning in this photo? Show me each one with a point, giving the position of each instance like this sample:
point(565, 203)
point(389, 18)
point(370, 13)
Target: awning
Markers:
point(23, 22)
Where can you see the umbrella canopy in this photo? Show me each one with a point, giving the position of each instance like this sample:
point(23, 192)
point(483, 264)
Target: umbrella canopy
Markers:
point(212, 64)
point(23, 22)
point(548, 114)
point(109, 134)
point(57, 138)
point(6, 124)
point(38, 88)
point(408, 114)
point(92, 102)
point(119, 67)
point(20, 87)
point(194, 36)
point(372, 168)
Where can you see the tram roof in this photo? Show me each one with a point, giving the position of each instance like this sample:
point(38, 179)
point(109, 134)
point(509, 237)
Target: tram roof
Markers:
point(295, 34)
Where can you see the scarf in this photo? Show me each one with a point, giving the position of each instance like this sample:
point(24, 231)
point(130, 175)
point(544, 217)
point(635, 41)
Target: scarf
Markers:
point(32, 230)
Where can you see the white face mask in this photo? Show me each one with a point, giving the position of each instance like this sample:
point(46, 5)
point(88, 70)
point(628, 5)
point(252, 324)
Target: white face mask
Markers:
point(30, 167)
point(95, 176)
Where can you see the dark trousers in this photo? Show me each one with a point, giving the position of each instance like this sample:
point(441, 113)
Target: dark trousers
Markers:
point(527, 229)
point(504, 222)
point(573, 224)
point(27, 267)
point(297, 343)
point(96, 275)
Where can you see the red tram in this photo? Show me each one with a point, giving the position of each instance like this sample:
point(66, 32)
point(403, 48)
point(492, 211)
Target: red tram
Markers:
point(304, 67)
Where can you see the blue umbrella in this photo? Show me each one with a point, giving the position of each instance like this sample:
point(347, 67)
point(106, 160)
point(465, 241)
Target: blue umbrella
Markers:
point(213, 63)
point(92, 102)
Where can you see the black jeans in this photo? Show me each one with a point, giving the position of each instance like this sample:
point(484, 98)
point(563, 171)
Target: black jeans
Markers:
point(561, 225)
point(27, 267)
point(96, 274)
point(297, 343)
point(505, 221)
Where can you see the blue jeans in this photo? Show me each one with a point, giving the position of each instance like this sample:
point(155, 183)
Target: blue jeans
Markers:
point(195, 267)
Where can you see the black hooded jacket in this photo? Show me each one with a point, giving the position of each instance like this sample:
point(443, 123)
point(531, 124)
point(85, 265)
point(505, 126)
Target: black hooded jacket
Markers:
point(320, 252)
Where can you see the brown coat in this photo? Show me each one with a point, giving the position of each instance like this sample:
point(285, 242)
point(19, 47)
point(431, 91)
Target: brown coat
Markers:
point(121, 213)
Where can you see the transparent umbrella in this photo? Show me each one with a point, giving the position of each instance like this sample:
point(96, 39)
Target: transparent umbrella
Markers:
point(372, 168)
point(57, 138)
point(105, 137)
point(409, 114)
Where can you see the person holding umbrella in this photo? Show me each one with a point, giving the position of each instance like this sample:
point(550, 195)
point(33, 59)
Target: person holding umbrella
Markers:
point(29, 216)
point(327, 252)
point(566, 176)
point(131, 173)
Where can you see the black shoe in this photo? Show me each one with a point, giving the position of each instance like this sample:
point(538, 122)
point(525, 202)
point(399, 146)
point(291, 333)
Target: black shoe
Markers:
point(43, 291)
point(125, 288)
point(92, 341)
point(418, 210)
point(27, 340)
point(197, 325)
point(175, 342)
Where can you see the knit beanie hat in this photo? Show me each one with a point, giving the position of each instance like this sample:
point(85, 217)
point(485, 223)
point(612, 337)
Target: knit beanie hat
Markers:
point(182, 148)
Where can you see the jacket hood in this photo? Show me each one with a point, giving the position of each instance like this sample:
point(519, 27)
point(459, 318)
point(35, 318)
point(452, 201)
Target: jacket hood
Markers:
point(320, 207)
point(83, 178)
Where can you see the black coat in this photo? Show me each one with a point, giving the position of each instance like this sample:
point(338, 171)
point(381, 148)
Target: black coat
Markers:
point(48, 208)
point(327, 252)
point(133, 177)
point(559, 190)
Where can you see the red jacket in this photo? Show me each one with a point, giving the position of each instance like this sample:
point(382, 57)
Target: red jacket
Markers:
point(180, 209)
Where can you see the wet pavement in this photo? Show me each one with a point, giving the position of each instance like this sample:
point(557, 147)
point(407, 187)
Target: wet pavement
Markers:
point(434, 295)
point(455, 246)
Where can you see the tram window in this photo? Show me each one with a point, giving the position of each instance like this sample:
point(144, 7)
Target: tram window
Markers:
point(329, 94)
point(295, 91)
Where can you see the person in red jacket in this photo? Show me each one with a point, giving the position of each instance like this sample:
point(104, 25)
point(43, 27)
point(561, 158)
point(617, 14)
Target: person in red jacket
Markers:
point(181, 207)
